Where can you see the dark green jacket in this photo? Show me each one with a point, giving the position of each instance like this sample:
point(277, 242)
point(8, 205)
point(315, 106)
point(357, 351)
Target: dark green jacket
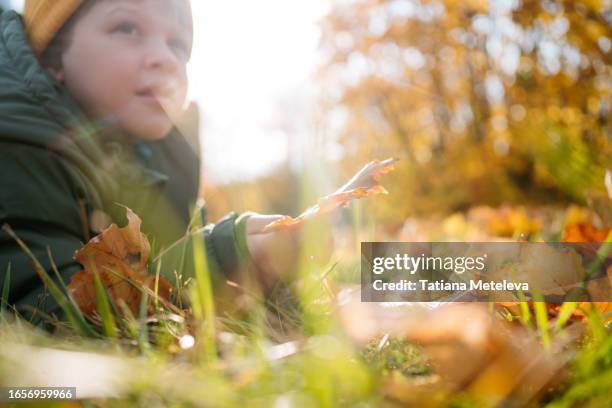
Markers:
point(57, 170)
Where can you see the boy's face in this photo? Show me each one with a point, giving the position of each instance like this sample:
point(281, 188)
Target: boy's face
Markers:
point(127, 60)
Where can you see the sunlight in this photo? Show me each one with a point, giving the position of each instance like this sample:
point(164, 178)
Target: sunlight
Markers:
point(248, 58)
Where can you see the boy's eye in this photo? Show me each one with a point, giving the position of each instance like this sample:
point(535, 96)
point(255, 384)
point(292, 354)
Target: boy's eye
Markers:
point(178, 45)
point(126, 28)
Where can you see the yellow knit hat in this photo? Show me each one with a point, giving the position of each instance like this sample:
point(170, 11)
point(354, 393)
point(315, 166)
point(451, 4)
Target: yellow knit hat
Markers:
point(44, 18)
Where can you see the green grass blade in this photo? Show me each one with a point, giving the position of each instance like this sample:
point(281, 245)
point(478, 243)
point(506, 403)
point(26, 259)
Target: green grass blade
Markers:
point(564, 314)
point(128, 320)
point(61, 280)
point(596, 324)
point(525, 313)
point(143, 332)
point(109, 328)
point(524, 308)
point(541, 316)
point(157, 274)
point(206, 312)
point(56, 271)
point(73, 314)
point(4, 300)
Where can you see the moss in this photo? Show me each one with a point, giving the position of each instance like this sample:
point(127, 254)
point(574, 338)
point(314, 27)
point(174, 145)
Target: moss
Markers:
point(396, 355)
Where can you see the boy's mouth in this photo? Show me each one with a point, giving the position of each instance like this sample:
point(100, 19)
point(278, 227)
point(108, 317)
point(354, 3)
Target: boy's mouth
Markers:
point(158, 90)
point(151, 97)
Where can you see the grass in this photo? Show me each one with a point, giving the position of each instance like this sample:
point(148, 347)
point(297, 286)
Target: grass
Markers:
point(202, 297)
point(64, 300)
point(195, 357)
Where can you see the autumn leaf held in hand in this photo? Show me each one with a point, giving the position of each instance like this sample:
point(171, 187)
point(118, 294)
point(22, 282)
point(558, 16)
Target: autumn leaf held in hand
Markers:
point(364, 184)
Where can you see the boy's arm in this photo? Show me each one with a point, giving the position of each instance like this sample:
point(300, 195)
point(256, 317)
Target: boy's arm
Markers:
point(276, 253)
point(235, 249)
point(226, 248)
point(37, 202)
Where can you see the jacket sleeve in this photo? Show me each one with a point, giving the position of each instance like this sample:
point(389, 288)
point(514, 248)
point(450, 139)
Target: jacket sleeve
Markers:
point(37, 201)
point(227, 254)
point(226, 246)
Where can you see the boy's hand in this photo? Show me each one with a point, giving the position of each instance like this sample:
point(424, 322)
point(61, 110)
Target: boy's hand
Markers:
point(276, 253)
point(363, 184)
point(368, 176)
point(274, 240)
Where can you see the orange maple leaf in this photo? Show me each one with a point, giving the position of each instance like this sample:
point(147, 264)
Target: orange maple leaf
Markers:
point(368, 186)
point(119, 256)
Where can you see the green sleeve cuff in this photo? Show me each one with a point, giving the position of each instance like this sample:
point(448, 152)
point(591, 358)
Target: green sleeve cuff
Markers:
point(227, 239)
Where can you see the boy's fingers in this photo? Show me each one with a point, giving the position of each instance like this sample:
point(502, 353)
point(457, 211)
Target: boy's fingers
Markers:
point(257, 222)
point(386, 162)
point(378, 166)
point(375, 165)
point(389, 160)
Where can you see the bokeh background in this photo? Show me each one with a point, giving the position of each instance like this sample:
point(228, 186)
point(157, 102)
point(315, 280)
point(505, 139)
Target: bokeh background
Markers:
point(485, 102)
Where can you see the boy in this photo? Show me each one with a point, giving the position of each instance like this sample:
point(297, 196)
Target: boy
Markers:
point(90, 91)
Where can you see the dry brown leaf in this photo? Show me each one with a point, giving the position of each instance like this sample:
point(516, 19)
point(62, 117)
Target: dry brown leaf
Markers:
point(585, 232)
point(119, 256)
point(582, 232)
point(369, 186)
point(603, 308)
point(559, 267)
point(469, 348)
point(599, 288)
point(549, 271)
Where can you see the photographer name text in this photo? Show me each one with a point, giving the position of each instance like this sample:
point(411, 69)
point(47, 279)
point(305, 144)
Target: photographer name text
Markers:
point(442, 285)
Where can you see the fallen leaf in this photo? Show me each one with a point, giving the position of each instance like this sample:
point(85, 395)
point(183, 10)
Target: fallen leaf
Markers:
point(367, 185)
point(549, 271)
point(582, 232)
point(509, 221)
point(469, 348)
point(561, 271)
point(119, 256)
point(603, 308)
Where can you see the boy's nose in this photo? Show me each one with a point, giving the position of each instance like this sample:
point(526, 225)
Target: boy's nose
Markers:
point(160, 56)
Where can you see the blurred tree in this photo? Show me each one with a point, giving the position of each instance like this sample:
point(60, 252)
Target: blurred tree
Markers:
point(275, 193)
point(485, 101)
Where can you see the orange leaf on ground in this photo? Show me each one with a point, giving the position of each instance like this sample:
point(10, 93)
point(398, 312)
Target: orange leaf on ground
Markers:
point(586, 232)
point(119, 256)
point(508, 221)
point(597, 288)
point(582, 232)
point(469, 348)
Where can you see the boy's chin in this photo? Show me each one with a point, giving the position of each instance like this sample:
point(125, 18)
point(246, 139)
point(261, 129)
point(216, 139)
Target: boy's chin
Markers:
point(143, 132)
